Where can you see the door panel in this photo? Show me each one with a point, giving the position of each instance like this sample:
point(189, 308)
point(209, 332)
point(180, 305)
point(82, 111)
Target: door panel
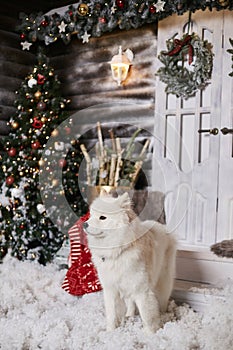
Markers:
point(225, 203)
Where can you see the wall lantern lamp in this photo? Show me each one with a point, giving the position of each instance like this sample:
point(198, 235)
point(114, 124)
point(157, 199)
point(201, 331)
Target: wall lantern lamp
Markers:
point(120, 64)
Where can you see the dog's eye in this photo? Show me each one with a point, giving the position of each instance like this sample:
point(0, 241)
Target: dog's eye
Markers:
point(102, 217)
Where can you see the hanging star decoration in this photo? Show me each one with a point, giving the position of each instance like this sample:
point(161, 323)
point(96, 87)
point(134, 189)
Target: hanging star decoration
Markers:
point(113, 9)
point(85, 37)
point(62, 27)
point(26, 45)
point(160, 5)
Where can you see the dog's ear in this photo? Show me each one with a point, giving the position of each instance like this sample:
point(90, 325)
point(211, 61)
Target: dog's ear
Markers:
point(125, 201)
point(126, 204)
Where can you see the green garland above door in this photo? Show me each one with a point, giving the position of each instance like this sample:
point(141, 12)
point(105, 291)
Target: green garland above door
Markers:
point(93, 18)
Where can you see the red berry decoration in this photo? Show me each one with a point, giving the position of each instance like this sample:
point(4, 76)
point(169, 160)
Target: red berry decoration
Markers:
point(120, 4)
point(12, 152)
point(40, 79)
point(35, 145)
point(10, 180)
point(41, 106)
point(22, 36)
point(152, 9)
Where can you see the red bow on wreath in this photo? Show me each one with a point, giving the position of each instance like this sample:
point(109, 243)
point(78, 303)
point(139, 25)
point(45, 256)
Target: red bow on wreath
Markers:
point(179, 44)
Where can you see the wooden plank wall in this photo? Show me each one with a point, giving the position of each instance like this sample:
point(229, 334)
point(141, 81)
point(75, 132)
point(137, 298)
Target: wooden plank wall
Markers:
point(14, 63)
point(85, 74)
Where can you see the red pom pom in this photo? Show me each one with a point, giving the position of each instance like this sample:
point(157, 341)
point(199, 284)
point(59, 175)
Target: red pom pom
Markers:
point(22, 36)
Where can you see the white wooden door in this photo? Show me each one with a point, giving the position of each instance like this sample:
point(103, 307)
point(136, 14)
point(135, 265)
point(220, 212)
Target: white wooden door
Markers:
point(188, 166)
point(225, 195)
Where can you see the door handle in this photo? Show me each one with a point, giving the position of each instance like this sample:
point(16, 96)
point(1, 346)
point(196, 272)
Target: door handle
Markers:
point(213, 131)
point(226, 131)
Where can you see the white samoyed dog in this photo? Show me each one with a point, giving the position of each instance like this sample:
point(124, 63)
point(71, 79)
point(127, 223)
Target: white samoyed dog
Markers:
point(135, 261)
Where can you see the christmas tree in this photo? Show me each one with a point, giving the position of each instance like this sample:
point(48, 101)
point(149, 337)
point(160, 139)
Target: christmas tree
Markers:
point(26, 227)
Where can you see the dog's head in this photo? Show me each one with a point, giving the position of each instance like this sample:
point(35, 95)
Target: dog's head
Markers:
point(109, 221)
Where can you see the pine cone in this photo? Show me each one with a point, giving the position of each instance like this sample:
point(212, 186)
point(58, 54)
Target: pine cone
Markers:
point(224, 248)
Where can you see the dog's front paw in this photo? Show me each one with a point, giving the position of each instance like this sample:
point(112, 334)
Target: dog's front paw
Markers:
point(110, 327)
point(150, 330)
point(131, 307)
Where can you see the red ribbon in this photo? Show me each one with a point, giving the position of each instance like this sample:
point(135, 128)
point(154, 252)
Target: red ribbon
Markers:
point(179, 44)
point(37, 124)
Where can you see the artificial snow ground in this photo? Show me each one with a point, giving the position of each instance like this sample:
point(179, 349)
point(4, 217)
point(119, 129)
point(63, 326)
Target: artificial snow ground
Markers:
point(36, 313)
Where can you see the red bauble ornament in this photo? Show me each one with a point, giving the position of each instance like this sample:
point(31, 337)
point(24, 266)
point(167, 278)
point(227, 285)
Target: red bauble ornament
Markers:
point(40, 79)
point(71, 13)
point(41, 106)
point(68, 130)
point(44, 23)
point(102, 20)
point(22, 36)
point(152, 9)
point(12, 152)
point(35, 145)
point(10, 180)
point(37, 124)
point(62, 163)
point(120, 4)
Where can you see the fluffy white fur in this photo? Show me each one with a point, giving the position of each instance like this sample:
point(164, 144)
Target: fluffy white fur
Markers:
point(135, 261)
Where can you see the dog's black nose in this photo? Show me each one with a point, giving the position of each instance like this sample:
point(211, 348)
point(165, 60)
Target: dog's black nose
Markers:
point(85, 225)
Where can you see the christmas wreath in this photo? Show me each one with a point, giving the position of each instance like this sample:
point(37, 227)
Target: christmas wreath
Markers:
point(187, 65)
